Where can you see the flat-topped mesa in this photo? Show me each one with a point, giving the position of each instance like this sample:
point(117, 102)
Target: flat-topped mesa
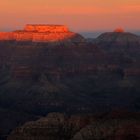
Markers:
point(46, 28)
point(42, 33)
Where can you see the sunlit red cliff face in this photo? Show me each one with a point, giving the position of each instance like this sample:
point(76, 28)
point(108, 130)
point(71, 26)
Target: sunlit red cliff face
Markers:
point(52, 48)
point(40, 33)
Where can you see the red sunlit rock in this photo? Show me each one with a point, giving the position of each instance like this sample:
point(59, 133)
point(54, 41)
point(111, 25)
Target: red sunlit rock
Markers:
point(119, 30)
point(46, 28)
point(41, 33)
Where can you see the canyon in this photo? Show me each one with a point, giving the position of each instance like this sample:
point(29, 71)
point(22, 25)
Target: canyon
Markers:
point(47, 68)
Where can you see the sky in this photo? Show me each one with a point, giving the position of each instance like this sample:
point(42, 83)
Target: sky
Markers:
point(78, 15)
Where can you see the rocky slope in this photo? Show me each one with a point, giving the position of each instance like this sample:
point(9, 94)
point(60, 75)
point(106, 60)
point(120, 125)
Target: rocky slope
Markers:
point(123, 48)
point(55, 126)
point(118, 40)
point(124, 44)
point(110, 130)
point(58, 126)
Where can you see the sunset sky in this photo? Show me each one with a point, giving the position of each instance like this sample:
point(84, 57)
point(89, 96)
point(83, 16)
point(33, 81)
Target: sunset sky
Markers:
point(79, 15)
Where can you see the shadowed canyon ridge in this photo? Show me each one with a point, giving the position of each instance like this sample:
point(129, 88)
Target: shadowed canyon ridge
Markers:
point(47, 68)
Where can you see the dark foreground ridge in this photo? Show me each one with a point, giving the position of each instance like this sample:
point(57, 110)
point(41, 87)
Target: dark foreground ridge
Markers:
point(58, 126)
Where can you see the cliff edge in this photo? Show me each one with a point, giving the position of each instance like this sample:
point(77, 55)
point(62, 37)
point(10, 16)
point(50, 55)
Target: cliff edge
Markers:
point(42, 33)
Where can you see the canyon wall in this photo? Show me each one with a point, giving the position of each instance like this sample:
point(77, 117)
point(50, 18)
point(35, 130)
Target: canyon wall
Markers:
point(6, 36)
point(41, 33)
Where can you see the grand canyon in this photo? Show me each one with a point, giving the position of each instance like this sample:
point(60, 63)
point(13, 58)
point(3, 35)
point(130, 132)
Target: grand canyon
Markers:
point(56, 84)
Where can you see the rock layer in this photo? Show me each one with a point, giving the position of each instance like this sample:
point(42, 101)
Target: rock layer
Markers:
point(41, 33)
point(46, 28)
